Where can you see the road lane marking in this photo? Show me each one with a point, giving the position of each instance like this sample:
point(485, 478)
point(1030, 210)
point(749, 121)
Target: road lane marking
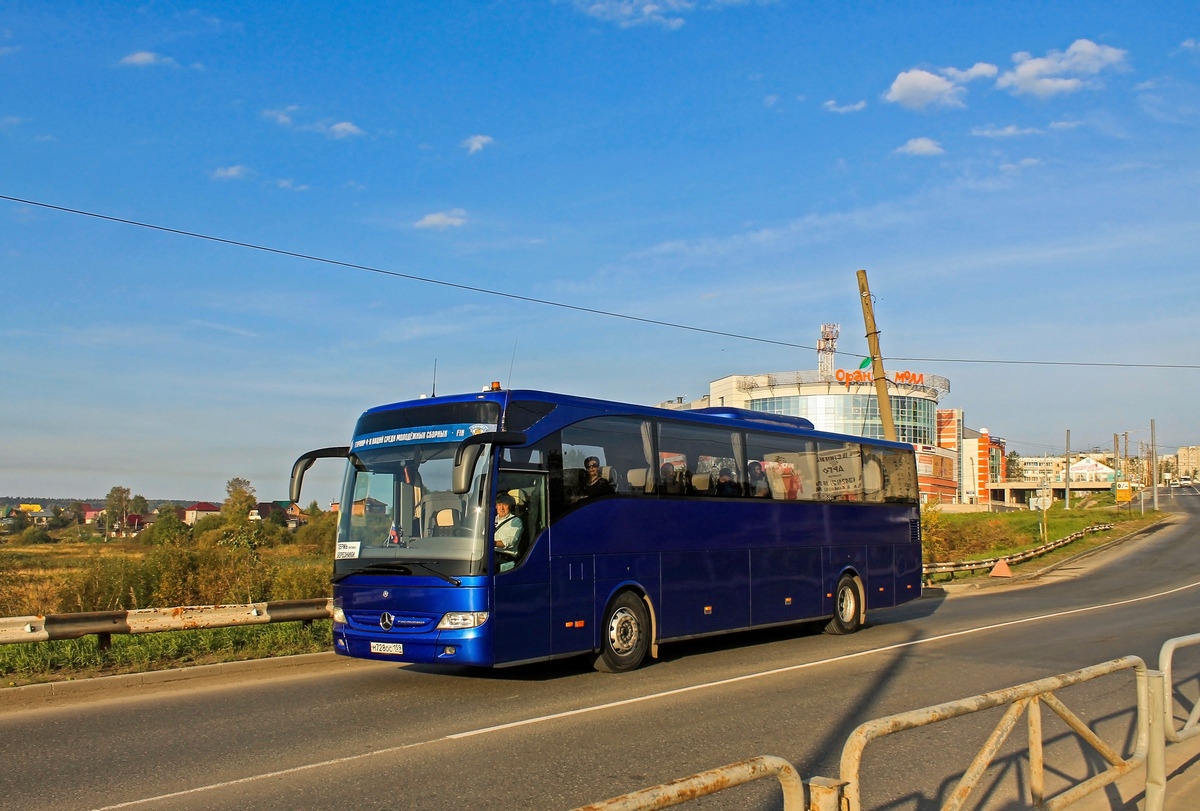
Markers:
point(640, 699)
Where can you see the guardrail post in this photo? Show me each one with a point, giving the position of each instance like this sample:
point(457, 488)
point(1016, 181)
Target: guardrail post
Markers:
point(1156, 769)
point(103, 642)
point(825, 794)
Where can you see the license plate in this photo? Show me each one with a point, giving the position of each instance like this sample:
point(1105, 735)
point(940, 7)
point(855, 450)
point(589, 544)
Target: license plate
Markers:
point(396, 648)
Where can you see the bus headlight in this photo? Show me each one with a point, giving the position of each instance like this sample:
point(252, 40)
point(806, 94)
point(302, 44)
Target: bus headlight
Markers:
point(462, 619)
point(339, 615)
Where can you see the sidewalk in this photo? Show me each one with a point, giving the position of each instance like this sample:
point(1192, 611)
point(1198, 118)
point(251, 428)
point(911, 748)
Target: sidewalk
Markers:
point(1129, 793)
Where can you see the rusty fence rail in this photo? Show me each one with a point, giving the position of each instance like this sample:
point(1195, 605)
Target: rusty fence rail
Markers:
point(1154, 691)
point(104, 624)
point(950, 567)
point(700, 785)
point(1025, 699)
point(1166, 658)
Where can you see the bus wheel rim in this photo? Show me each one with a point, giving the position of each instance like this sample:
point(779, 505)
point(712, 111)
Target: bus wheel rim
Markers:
point(846, 607)
point(623, 632)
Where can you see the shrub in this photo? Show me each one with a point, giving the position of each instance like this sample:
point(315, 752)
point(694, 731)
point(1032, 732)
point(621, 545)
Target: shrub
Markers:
point(320, 531)
point(35, 535)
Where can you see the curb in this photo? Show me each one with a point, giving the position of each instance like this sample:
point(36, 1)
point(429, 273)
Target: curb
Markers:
point(25, 696)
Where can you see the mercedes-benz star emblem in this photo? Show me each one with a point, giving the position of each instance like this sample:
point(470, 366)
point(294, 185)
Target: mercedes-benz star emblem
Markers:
point(386, 620)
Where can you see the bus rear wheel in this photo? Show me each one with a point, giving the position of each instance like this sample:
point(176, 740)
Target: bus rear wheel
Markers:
point(625, 635)
point(847, 607)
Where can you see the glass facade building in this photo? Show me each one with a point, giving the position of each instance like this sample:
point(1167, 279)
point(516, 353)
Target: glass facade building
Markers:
point(858, 414)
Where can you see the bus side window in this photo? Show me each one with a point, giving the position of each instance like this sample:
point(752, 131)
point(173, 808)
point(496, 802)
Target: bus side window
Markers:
point(620, 447)
point(788, 467)
point(698, 460)
point(527, 492)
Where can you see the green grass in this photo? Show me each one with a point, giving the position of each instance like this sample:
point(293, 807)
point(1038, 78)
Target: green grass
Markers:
point(979, 536)
point(65, 659)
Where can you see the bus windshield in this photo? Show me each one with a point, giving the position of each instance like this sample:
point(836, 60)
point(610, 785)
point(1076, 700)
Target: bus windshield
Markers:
point(399, 514)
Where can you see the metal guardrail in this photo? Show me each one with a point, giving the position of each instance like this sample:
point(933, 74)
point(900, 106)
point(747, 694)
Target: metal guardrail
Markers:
point(1018, 557)
point(104, 624)
point(1166, 657)
point(700, 785)
point(1022, 699)
point(1153, 689)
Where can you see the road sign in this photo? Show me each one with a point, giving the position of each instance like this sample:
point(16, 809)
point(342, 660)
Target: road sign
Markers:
point(1040, 503)
point(1124, 493)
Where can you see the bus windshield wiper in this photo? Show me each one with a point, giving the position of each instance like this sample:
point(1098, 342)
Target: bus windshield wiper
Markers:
point(454, 581)
point(398, 568)
point(382, 566)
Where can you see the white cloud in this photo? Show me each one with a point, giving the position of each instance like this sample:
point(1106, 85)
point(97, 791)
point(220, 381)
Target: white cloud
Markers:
point(980, 70)
point(1011, 131)
point(144, 59)
point(230, 172)
point(1024, 163)
point(342, 129)
point(290, 185)
point(921, 147)
point(283, 117)
point(833, 107)
point(453, 218)
point(1191, 44)
point(628, 13)
point(9, 121)
point(1058, 71)
point(9, 50)
point(917, 89)
point(770, 101)
point(1065, 125)
point(476, 143)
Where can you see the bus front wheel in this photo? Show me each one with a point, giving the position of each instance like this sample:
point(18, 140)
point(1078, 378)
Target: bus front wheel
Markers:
point(625, 636)
point(847, 607)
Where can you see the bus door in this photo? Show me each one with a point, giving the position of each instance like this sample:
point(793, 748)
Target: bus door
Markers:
point(521, 598)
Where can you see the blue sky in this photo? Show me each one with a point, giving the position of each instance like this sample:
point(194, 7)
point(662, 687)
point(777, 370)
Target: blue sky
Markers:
point(1020, 181)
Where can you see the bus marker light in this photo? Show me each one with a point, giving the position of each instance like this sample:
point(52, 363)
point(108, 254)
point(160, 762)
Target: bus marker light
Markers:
point(708, 609)
point(787, 600)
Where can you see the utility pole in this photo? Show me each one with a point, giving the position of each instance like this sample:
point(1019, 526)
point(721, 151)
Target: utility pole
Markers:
point(1154, 463)
point(885, 403)
point(1125, 458)
point(1067, 475)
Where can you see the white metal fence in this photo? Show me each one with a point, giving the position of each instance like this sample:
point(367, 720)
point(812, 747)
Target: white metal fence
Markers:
point(1156, 697)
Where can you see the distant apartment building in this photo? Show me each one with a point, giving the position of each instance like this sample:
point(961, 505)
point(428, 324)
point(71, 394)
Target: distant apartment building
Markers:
point(1187, 460)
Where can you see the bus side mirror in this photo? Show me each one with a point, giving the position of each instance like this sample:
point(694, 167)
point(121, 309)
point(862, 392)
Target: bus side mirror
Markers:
point(467, 455)
point(306, 461)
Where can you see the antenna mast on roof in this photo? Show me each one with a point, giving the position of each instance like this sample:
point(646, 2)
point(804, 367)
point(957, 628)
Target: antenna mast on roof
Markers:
point(434, 392)
point(826, 349)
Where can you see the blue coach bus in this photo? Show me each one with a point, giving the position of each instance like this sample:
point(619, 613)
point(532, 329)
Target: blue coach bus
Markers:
point(621, 527)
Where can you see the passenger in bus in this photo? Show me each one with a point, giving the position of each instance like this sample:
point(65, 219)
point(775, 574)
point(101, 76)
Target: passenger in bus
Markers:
point(596, 485)
point(671, 483)
point(726, 486)
point(756, 481)
point(508, 525)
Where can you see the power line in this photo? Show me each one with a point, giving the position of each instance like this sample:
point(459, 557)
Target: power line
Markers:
point(550, 303)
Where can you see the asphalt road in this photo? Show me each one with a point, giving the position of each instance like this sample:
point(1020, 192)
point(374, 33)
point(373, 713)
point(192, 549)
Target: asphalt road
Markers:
point(380, 736)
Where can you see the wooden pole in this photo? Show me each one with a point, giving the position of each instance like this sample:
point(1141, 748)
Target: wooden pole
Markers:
point(885, 403)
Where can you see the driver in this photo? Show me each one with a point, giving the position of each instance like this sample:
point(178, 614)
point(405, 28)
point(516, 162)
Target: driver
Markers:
point(508, 526)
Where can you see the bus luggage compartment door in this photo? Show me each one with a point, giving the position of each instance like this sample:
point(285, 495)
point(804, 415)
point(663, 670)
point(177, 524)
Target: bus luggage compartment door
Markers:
point(572, 598)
